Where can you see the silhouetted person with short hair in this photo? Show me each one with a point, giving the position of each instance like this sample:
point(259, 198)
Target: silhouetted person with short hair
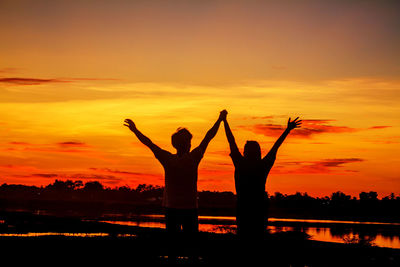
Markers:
point(251, 171)
point(180, 193)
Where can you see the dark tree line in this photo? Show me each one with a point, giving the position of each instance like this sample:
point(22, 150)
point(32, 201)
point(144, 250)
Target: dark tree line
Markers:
point(338, 205)
point(92, 196)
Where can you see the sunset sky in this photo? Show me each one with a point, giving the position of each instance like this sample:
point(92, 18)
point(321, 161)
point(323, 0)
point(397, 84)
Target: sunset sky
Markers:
point(72, 71)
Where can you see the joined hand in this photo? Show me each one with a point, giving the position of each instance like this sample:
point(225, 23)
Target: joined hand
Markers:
point(222, 115)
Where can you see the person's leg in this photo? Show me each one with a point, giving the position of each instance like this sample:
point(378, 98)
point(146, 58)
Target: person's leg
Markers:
point(190, 229)
point(173, 228)
point(172, 221)
point(190, 222)
point(243, 222)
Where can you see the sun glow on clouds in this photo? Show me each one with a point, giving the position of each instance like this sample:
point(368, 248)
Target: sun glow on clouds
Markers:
point(84, 138)
point(70, 75)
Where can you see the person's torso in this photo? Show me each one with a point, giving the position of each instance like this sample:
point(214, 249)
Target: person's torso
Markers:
point(181, 181)
point(250, 178)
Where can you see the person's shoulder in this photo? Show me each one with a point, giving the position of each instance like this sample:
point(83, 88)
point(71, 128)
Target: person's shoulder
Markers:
point(269, 157)
point(236, 154)
point(269, 160)
point(161, 153)
point(196, 150)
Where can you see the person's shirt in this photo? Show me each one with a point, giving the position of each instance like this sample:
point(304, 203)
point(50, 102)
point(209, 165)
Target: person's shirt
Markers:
point(250, 177)
point(180, 178)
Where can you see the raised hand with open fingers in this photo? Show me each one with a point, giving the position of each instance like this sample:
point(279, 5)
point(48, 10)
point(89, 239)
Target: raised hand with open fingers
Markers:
point(292, 124)
point(130, 124)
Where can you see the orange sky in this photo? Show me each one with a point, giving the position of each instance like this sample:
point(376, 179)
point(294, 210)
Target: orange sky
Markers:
point(71, 72)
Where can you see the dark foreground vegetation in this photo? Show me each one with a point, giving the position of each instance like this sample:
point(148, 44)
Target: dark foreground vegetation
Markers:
point(92, 200)
point(136, 246)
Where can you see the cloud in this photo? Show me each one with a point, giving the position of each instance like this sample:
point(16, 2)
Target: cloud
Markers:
point(53, 150)
point(45, 175)
point(68, 147)
point(125, 173)
point(379, 127)
point(261, 117)
point(338, 162)
point(72, 144)
point(325, 166)
point(91, 177)
point(38, 81)
point(309, 128)
point(266, 117)
point(29, 81)
point(92, 79)
point(61, 144)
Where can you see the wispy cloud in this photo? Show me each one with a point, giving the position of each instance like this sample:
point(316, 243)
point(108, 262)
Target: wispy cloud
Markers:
point(379, 127)
point(91, 79)
point(309, 129)
point(266, 117)
point(45, 175)
point(72, 144)
point(38, 81)
point(29, 81)
point(63, 144)
point(66, 147)
point(118, 172)
point(325, 166)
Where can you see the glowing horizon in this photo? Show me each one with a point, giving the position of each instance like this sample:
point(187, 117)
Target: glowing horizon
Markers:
point(70, 75)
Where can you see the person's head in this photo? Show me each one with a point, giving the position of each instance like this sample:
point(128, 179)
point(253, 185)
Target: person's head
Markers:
point(252, 150)
point(181, 140)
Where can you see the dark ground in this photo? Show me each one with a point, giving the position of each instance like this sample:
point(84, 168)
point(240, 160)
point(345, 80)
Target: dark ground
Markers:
point(136, 246)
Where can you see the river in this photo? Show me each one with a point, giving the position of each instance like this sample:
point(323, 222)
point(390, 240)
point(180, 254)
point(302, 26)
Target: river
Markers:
point(375, 233)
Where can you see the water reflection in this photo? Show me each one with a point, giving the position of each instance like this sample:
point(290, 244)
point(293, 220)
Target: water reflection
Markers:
point(54, 234)
point(334, 231)
point(64, 234)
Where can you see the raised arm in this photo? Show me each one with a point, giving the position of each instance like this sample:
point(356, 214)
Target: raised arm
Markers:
point(142, 138)
point(213, 131)
point(231, 139)
point(296, 123)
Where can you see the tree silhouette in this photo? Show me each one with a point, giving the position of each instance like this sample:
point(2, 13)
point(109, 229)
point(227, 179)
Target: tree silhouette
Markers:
point(92, 195)
point(94, 186)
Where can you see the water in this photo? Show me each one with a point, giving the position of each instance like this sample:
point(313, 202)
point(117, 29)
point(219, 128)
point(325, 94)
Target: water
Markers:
point(54, 234)
point(376, 233)
point(327, 230)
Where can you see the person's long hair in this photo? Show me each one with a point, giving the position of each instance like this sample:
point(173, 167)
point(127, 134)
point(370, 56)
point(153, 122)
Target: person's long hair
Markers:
point(252, 150)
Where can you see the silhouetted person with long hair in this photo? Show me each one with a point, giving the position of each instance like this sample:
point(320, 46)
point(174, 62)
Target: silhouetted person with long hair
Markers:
point(180, 193)
point(251, 171)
